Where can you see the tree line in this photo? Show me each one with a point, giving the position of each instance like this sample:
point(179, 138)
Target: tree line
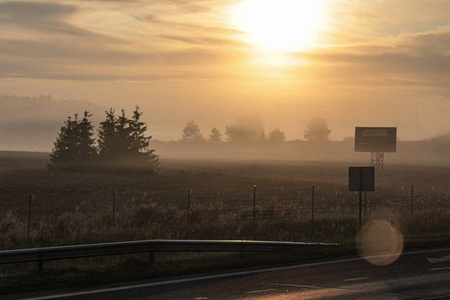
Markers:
point(122, 143)
point(316, 130)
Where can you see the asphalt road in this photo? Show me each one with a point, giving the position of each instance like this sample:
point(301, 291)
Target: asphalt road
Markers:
point(415, 275)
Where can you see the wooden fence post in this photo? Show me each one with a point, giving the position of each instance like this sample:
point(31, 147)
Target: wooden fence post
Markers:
point(312, 203)
point(254, 204)
point(188, 209)
point(29, 215)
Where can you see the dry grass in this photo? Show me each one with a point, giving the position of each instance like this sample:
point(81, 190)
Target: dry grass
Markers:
point(77, 208)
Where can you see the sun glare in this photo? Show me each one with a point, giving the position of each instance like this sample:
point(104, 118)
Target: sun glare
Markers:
point(280, 25)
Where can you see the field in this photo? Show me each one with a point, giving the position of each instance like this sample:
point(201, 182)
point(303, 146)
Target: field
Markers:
point(258, 200)
point(227, 200)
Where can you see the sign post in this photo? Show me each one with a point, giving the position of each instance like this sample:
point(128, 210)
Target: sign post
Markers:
point(377, 141)
point(361, 179)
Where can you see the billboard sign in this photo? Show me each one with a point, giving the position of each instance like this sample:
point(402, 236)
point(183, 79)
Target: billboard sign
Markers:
point(375, 139)
point(361, 179)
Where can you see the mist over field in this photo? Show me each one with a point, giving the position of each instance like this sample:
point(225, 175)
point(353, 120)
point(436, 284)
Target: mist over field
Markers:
point(38, 120)
point(32, 123)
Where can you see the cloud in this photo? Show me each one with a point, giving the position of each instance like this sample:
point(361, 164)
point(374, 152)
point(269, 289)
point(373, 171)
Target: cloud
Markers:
point(47, 18)
point(406, 59)
point(58, 41)
point(184, 40)
point(24, 11)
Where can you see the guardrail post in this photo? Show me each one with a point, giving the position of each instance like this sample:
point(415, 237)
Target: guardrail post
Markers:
point(152, 257)
point(114, 209)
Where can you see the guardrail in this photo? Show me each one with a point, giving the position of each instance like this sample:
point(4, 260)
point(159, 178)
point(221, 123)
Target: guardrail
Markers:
point(105, 249)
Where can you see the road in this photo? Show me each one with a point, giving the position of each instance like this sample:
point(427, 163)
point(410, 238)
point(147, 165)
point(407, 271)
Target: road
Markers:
point(415, 275)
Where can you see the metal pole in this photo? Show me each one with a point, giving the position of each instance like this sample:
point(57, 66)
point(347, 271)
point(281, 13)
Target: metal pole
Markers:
point(29, 215)
point(114, 209)
point(360, 200)
point(412, 198)
point(312, 204)
point(361, 185)
point(365, 204)
point(254, 204)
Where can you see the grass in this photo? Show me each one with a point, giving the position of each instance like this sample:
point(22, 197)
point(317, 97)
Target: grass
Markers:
point(77, 208)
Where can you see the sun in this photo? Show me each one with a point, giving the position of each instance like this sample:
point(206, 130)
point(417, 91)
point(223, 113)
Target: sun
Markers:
point(280, 25)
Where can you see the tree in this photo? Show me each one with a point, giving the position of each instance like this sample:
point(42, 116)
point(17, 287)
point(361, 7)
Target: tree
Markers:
point(236, 134)
point(317, 130)
point(215, 136)
point(107, 136)
point(74, 143)
point(122, 141)
point(241, 134)
point(86, 141)
point(247, 128)
point(64, 149)
point(277, 136)
point(140, 142)
point(191, 133)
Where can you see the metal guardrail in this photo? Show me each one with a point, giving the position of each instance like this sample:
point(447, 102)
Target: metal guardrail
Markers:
point(105, 249)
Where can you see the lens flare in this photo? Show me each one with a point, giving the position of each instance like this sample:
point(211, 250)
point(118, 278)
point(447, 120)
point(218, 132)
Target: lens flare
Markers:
point(379, 243)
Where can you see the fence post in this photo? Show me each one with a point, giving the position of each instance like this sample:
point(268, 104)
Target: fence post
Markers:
point(114, 209)
point(29, 215)
point(254, 204)
point(412, 198)
point(188, 209)
point(312, 204)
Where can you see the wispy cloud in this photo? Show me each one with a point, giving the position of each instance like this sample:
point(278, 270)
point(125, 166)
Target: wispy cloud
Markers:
point(166, 40)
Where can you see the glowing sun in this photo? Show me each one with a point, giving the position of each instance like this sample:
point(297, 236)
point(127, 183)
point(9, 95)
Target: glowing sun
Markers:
point(281, 25)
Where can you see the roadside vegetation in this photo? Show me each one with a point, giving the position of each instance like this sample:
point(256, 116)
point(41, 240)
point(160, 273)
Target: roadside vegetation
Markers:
point(71, 207)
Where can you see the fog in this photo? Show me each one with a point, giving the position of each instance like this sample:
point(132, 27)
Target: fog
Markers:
point(409, 153)
point(32, 124)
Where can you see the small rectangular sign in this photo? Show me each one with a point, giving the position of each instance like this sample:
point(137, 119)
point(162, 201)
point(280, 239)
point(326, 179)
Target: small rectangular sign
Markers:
point(361, 179)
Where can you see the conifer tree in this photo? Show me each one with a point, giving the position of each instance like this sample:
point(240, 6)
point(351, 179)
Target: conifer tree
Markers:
point(107, 135)
point(65, 144)
point(74, 143)
point(122, 141)
point(139, 141)
point(86, 142)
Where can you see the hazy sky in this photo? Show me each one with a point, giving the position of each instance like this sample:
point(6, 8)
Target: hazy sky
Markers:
point(351, 62)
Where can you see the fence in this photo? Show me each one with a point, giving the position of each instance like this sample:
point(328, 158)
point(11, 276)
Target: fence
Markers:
point(206, 206)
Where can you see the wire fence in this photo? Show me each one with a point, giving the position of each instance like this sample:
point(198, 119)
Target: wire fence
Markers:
point(209, 205)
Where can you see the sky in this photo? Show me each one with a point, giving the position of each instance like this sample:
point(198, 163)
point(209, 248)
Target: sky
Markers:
point(351, 62)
